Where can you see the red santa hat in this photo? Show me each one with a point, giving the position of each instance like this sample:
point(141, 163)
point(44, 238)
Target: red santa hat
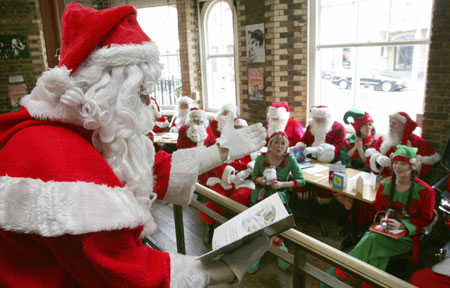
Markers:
point(278, 110)
point(238, 121)
point(108, 37)
point(320, 111)
point(195, 112)
point(155, 107)
point(409, 125)
point(360, 118)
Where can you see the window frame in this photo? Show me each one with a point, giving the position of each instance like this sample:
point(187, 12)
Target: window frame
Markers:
point(313, 82)
point(204, 55)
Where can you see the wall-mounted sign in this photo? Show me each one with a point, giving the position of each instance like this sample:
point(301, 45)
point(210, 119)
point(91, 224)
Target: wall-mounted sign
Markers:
point(15, 79)
point(13, 47)
point(16, 92)
point(256, 84)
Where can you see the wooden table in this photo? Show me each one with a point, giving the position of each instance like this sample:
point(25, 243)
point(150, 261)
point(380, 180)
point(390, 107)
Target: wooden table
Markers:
point(166, 138)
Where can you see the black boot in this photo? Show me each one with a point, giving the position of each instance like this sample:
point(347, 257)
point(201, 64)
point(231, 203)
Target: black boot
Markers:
point(209, 231)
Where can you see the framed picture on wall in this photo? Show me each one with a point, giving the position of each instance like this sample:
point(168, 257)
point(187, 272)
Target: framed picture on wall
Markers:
point(255, 43)
point(256, 84)
point(13, 47)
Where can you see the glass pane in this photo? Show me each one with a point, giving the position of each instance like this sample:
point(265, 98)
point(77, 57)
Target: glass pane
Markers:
point(219, 26)
point(388, 79)
point(337, 22)
point(160, 23)
point(221, 82)
point(373, 20)
point(410, 19)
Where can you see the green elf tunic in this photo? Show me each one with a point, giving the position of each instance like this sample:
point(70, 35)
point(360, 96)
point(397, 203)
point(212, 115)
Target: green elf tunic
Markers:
point(355, 161)
point(376, 249)
point(288, 170)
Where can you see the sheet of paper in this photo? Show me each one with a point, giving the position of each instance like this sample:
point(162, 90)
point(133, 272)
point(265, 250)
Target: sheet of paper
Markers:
point(317, 168)
point(170, 136)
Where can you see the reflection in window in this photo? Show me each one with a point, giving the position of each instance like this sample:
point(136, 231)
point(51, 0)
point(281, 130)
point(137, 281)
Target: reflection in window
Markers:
point(218, 59)
point(369, 53)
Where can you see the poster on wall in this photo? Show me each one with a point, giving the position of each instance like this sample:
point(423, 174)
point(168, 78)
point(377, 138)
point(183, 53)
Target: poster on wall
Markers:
point(256, 84)
point(13, 47)
point(255, 43)
point(15, 93)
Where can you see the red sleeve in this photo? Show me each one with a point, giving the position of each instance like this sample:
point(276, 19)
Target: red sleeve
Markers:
point(337, 138)
point(307, 138)
point(161, 172)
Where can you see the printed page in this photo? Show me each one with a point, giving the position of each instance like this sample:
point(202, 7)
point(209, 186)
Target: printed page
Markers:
point(268, 216)
point(316, 169)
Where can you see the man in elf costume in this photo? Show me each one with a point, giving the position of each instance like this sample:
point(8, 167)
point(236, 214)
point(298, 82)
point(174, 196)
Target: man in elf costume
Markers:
point(401, 128)
point(230, 180)
point(324, 137)
point(278, 120)
point(411, 202)
point(184, 105)
point(216, 125)
point(78, 175)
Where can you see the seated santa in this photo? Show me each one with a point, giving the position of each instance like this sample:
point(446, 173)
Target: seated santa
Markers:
point(278, 120)
point(184, 105)
point(216, 125)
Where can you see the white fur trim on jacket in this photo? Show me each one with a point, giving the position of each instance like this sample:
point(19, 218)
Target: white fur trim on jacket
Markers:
point(184, 170)
point(187, 272)
point(430, 160)
point(227, 172)
point(52, 208)
point(373, 160)
point(247, 184)
point(216, 180)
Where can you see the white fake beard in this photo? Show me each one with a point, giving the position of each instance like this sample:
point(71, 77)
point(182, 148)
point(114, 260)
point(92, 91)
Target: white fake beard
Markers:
point(221, 120)
point(320, 131)
point(181, 117)
point(197, 133)
point(390, 140)
point(276, 125)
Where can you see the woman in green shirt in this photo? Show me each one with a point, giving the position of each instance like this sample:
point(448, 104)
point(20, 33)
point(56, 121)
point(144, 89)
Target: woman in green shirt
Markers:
point(288, 175)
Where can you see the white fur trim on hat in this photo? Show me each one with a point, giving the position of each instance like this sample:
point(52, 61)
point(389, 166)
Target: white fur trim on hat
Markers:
point(227, 172)
point(321, 112)
point(229, 107)
point(198, 113)
point(127, 54)
point(54, 208)
point(279, 112)
point(186, 100)
point(399, 117)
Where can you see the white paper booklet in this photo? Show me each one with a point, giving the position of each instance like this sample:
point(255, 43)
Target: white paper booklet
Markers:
point(268, 216)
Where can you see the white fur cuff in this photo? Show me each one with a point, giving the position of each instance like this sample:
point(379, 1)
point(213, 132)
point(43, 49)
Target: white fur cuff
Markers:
point(187, 272)
point(430, 160)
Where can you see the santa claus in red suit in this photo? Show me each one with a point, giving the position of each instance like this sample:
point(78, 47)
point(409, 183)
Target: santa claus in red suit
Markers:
point(184, 105)
point(216, 125)
point(401, 128)
point(232, 180)
point(324, 137)
point(278, 120)
point(160, 120)
point(195, 132)
point(78, 175)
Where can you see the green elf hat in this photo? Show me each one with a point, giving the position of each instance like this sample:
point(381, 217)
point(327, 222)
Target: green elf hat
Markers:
point(406, 154)
point(360, 118)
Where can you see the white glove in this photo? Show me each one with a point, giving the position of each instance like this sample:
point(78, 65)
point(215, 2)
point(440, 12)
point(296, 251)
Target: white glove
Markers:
point(383, 161)
point(236, 180)
point(174, 129)
point(300, 145)
point(311, 150)
point(244, 174)
point(242, 141)
point(242, 259)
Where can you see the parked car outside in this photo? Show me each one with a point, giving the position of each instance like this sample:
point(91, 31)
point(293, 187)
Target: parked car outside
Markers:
point(373, 78)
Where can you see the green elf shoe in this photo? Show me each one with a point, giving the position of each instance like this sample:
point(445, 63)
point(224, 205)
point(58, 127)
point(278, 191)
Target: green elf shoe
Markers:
point(280, 244)
point(254, 268)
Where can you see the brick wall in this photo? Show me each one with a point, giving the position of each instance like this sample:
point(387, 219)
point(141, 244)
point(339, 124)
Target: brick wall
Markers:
point(23, 19)
point(436, 123)
point(285, 67)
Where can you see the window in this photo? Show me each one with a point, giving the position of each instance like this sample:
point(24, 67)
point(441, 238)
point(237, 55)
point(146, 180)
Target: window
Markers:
point(218, 53)
point(160, 23)
point(370, 55)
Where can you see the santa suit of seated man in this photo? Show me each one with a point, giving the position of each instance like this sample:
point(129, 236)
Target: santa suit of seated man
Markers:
point(324, 137)
point(401, 128)
point(195, 134)
point(184, 105)
point(160, 120)
point(278, 120)
point(78, 174)
point(216, 125)
point(232, 180)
